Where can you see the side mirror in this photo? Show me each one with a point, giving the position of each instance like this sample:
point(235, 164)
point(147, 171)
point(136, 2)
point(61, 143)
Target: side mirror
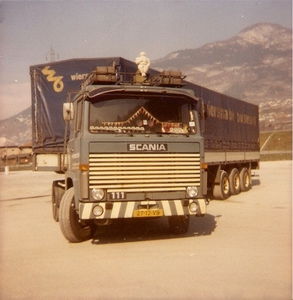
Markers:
point(68, 112)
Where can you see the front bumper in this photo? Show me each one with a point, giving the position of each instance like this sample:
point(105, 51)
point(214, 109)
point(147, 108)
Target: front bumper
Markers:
point(115, 210)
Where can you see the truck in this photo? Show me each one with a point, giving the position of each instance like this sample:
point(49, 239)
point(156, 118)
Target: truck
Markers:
point(132, 146)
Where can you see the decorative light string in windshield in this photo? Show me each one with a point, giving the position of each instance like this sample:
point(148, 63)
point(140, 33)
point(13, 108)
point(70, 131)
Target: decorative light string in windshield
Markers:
point(141, 121)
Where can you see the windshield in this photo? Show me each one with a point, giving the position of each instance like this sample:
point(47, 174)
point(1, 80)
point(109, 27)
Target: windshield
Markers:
point(125, 113)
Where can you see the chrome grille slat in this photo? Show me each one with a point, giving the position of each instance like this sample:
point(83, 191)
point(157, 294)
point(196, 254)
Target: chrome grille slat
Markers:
point(153, 176)
point(143, 172)
point(119, 168)
point(130, 172)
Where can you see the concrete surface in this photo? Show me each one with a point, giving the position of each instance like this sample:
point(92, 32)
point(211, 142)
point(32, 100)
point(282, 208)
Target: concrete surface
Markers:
point(240, 250)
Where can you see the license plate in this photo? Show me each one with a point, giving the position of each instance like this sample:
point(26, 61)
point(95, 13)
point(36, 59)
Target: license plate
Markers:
point(140, 213)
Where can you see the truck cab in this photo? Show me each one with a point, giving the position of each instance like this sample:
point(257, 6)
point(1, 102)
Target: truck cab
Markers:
point(134, 150)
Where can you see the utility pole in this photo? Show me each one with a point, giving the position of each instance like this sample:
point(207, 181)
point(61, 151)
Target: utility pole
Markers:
point(51, 54)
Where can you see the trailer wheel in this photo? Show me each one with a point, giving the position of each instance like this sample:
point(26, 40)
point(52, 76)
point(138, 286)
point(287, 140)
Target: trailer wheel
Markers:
point(72, 228)
point(245, 182)
point(234, 180)
point(56, 196)
point(178, 224)
point(221, 191)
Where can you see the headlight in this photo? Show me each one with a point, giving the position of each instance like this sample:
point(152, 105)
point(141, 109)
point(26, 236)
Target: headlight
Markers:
point(193, 207)
point(192, 191)
point(98, 194)
point(98, 210)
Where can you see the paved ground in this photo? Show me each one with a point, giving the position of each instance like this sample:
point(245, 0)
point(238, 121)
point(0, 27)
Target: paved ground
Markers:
point(240, 250)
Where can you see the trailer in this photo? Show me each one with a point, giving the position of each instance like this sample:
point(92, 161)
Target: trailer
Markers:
point(133, 146)
point(230, 128)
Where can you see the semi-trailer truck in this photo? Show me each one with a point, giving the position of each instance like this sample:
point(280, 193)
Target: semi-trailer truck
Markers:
point(133, 146)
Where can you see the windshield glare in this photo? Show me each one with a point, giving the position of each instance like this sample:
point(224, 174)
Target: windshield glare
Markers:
point(145, 114)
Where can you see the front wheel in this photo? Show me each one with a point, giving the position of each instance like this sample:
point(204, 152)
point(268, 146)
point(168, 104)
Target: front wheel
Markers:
point(72, 228)
point(178, 224)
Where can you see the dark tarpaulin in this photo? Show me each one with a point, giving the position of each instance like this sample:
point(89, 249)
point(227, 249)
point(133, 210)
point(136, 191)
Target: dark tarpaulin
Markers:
point(50, 84)
point(231, 124)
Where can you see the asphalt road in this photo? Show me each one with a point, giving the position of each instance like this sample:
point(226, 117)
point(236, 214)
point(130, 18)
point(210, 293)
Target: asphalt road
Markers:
point(240, 250)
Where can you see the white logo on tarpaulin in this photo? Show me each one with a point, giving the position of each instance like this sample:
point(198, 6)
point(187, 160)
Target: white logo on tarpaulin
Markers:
point(78, 76)
point(147, 147)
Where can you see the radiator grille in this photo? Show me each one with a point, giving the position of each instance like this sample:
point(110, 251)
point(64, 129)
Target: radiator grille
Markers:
point(144, 172)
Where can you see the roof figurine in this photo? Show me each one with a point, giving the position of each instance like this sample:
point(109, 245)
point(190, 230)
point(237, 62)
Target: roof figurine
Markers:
point(143, 63)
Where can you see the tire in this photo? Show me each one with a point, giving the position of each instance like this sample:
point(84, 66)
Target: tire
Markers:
point(245, 180)
point(73, 230)
point(178, 224)
point(234, 180)
point(221, 191)
point(56, 196)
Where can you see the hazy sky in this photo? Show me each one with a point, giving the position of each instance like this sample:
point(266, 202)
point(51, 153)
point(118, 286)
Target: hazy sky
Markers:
point(105, 28)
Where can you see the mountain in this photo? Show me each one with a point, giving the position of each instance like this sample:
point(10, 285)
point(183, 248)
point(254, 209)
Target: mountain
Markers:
point(255, 66)
point(16, 130)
